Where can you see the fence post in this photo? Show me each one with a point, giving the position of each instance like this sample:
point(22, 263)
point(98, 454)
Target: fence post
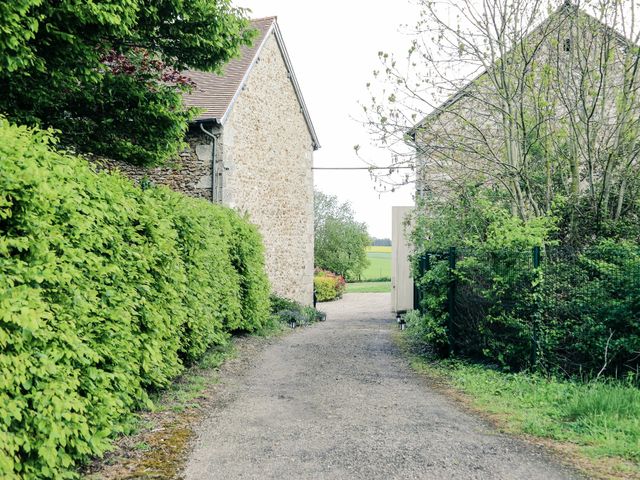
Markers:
point(451, 293)
point(425, 265)
point(536, 312)
point(418, 290)
point(417, 297)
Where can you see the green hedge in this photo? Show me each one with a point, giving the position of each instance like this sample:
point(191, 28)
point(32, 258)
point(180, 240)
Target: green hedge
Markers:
point(106, 292)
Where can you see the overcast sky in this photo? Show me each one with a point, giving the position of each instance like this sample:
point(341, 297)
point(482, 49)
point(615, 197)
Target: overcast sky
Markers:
point(333, 45)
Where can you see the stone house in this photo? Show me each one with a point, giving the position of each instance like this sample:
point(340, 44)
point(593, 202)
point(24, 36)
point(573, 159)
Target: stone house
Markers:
point(251, 148)
point(509, 118)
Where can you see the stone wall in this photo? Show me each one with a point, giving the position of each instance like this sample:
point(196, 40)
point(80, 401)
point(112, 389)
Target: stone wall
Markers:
point(268, 158)
point(190, 173)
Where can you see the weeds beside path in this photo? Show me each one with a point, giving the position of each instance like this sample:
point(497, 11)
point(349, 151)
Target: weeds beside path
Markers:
point(596, 426)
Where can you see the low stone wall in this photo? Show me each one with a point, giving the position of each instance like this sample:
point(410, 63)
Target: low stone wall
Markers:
point(190, 173)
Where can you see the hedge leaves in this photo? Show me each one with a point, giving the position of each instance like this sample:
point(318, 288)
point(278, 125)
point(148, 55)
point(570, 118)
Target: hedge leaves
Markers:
point(106, 292)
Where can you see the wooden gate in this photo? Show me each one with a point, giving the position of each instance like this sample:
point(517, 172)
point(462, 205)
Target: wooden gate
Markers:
point(401, 281)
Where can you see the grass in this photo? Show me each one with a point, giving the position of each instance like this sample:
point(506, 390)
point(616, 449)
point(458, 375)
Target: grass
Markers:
point(159, 440)
point(185, 392)
point(379, 268)
point(369, 287)
point(156, 448)
point(598, 423)
point(376, 278)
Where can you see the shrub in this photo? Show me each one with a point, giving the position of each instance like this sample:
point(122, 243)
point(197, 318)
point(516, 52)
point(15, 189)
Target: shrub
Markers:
point(426, 333)
point(575, 315)
point(247, 255)
point(315, 315)
point(325, 289)
point(292, 317)
point(590, 306)
point(289, 311)
point(328, 285)
point(280, 303)
point(106, 292)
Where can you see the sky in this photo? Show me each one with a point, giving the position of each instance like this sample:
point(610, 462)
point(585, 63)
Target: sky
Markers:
point(334, 48)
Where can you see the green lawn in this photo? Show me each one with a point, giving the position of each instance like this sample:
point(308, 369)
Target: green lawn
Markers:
point(379, 249)
point(369, 287)
point(379, 266)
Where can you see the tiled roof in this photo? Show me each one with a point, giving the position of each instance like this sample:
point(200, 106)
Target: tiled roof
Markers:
point(215, 94)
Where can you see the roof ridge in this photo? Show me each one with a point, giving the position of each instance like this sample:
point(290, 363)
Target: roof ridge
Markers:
point(271, 17)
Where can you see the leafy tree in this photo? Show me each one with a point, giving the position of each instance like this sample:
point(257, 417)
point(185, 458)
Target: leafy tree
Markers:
point(107, 72)
point(340, 240)
point(328, 206)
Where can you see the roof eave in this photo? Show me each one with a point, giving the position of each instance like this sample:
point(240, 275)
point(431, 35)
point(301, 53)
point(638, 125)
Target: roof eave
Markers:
point(245, 77)
point(206, 120)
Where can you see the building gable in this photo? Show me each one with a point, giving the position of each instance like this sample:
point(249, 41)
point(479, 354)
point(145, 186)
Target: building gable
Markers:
point(565, 10)
point(215, 95)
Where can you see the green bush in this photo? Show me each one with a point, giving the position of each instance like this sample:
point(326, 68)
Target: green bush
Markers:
point(590, 307)
point(289, 311)
point(247, 254)
point(280, 303)
point(577, 314)
point(106, 292)
point(292, 317)
point(325, 289)
point(328, 285)
point(426, 333)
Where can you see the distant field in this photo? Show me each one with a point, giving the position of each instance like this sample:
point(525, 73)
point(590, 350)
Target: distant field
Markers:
point(379, 249)
point(369, 287)
point(379, 264)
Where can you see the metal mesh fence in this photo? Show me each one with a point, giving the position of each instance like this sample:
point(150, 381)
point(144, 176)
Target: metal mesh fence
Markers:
point(575, 312)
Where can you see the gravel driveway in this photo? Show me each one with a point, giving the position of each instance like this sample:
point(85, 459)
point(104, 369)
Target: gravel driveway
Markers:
point(338, 401)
